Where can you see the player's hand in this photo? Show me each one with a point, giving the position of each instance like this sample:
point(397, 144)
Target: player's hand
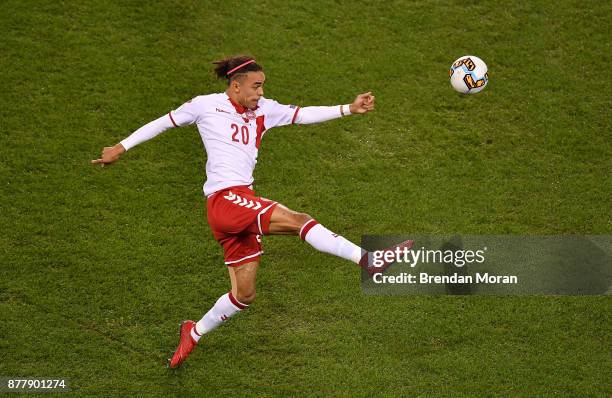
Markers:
point(363, 103)
point(110, 154)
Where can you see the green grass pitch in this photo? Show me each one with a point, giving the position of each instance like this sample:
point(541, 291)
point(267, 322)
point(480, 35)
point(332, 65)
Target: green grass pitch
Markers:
point(99, 265)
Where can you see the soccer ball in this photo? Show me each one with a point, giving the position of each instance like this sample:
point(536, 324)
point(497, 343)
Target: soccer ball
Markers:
point(468, 74)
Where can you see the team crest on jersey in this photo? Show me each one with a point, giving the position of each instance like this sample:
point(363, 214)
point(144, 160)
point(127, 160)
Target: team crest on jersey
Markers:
point(250, 115)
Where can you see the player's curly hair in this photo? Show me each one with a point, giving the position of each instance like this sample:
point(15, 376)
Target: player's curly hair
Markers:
point(231, 68)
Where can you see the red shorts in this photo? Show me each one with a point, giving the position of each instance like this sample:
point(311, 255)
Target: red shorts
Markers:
point(238, 218)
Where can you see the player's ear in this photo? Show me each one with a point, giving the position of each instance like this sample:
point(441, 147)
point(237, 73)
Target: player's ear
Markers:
point(235, 85)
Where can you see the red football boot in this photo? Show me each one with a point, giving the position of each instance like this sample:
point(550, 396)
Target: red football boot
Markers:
point(367, 260)
point(186, 345)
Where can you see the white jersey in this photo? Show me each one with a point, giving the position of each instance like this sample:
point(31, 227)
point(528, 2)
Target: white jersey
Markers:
point(231, 135)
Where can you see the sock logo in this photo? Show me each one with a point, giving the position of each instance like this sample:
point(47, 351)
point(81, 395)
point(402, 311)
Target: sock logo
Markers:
point(224, 318)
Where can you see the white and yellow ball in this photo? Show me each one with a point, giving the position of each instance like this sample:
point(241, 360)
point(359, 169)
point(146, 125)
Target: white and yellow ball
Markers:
point(469, 74)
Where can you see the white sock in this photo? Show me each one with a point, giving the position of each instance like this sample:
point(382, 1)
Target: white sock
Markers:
point(326, 241)
point(224, 308)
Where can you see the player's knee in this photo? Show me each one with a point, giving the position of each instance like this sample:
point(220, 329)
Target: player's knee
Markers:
point(246, 296)
point(301, 219)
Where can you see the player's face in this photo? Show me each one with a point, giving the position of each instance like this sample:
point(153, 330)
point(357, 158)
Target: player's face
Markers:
point(250, 89)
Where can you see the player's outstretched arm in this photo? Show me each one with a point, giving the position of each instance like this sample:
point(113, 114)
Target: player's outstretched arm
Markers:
point(150, 130)
point(316, 114)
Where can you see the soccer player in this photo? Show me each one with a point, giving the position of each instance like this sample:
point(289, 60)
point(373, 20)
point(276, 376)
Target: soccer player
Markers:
point(232, 125)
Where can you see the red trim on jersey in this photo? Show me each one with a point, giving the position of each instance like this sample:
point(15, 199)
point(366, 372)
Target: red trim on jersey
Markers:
point(261, 128)
point(295, 115)
point(306, 228)
point(239, 108)
point(173, 122)
point(237, 303)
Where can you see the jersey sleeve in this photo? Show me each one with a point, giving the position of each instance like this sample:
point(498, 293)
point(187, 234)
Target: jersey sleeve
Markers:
point(278, 114)
point(147, 132)
point(186, 114)
point(318, 114)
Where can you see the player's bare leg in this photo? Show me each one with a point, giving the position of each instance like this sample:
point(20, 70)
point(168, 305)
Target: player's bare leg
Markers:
point(288, 222)
point(243, 278)
point(285, 221)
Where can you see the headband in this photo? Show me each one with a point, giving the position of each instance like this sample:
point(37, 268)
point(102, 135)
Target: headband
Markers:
point(240, 66)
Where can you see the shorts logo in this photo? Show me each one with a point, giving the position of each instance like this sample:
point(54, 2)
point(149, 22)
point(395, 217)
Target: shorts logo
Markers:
point(244, 202)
